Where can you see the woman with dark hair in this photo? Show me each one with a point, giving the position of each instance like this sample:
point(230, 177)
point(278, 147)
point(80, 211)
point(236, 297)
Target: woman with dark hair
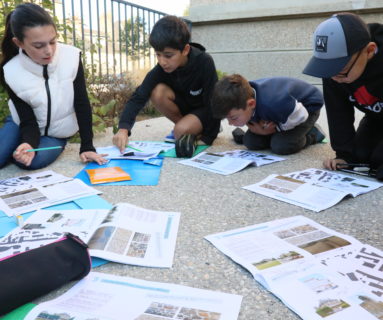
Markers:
point(46, 85)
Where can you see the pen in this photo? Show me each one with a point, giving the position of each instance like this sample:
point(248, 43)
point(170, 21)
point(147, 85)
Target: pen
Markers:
point(43, 149)
point(352, 165)
point(134, 149)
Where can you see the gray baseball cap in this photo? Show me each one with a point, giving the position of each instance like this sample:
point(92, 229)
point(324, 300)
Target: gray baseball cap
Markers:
point(335, 41)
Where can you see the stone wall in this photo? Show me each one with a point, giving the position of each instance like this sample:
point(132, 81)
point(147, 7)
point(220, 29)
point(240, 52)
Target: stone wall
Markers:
point(261, 38)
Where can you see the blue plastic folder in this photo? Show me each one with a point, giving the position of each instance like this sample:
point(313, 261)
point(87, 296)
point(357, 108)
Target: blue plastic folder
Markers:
point(142, 173)
point(7, 224)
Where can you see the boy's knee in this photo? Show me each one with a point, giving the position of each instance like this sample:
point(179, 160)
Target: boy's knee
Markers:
point(161, 94)
point(255, 142)
point(285, 147)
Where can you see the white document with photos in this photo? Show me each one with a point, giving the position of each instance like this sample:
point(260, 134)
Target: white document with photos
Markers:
point(136, 150)
point(138, 236)
point(125, 233)
point(217, 163)
point(31, 192)
point(299, 253)
point(313, 189)
point(46, 226)
point(258, 159)
point(109, 297)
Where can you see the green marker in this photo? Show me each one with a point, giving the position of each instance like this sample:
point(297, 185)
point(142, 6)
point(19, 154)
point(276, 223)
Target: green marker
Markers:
point(43, 149)
point(135, 149)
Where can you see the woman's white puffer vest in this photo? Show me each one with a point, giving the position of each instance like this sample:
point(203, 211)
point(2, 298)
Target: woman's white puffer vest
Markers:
point(26, 79)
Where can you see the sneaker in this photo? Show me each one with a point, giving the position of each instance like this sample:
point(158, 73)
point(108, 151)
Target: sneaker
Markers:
point(238, 134)
point(186, 145)
point(317, 134)
point(170, 137)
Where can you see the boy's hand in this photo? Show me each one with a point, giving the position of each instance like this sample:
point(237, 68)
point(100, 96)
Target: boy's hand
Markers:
point(331, 163)
point(121, 139)
point(262, 127)
point(21, 155)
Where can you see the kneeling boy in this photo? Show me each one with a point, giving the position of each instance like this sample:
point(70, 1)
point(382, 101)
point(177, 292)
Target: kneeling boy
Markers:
point(279, 112)
point(179, 86)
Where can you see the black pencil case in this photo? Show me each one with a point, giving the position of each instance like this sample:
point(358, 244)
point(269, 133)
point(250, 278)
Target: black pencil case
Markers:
point(31, 274)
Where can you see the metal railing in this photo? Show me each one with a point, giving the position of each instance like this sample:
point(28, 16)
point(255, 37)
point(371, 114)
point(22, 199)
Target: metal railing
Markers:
point(113, 34)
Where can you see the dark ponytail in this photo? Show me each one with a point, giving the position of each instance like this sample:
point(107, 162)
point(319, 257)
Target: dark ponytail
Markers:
point(26, 15)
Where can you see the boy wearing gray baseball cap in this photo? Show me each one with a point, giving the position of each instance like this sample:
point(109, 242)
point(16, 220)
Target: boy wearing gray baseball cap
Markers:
point(348, 56)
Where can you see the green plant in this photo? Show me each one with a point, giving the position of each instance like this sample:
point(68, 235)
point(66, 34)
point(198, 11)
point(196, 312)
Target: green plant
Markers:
point(221, 74)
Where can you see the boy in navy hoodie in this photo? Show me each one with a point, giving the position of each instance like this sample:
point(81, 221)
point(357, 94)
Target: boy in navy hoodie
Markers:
point(179, 86)
point(279, 112)
point(348, 56)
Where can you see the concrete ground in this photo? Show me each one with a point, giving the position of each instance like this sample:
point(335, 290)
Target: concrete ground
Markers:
point(211, 203)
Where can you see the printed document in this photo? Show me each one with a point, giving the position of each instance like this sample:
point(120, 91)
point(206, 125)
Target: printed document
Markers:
point(313, 189)
point(30, 192)
point(108, 297)
point(125, 234)
point(136, 150)
point(229, 162)
point(334, 276)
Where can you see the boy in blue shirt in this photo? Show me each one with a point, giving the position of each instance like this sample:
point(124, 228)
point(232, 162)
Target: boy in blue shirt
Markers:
point(279, 112)
point(179, 86)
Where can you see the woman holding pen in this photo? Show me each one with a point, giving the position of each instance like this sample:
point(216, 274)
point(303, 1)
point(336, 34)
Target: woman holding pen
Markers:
point(46, 85)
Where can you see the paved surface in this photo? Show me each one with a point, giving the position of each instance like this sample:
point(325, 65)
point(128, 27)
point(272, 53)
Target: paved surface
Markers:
point(211, 203)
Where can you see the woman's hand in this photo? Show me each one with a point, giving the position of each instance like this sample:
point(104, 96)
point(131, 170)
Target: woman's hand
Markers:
point(89, 156)
point(262, 127)
point(22, 156)
point(331, 163)
point(121, 139)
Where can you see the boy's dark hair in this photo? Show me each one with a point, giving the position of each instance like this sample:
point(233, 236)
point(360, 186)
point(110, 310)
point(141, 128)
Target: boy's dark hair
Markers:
point(171, 32)
point(231, 92)
point(26, 15)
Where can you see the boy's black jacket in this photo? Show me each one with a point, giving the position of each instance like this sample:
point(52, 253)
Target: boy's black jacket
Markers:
point(365, 94)
point(194, 82)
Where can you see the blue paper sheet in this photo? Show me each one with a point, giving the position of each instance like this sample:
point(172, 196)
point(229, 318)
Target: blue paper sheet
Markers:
point(142, 174)
point(7, 224)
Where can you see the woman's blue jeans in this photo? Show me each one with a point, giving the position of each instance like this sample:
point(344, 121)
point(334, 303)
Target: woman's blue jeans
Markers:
point(10, 140)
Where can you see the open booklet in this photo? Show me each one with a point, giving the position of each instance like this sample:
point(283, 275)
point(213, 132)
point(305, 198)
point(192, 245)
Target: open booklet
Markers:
point(229, 162)
point(136, 150)
point(334, 276)
point(38, 190)
point(125, 234)
point(103, 296)
point(313, 189)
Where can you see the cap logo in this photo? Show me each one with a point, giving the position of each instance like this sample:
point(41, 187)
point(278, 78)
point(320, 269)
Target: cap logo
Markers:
point(321, 44)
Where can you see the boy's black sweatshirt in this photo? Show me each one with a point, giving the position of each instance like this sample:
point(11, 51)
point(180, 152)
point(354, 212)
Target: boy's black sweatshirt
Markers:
point(365, 94)
point(194, 82)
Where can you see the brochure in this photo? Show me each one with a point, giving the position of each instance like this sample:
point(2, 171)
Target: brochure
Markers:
point(299, 253)
point(259, 159)
point(125, 234)
point(313, 189)
point(136, 150)
point(229, 162)
point(38, 190)
point(109, 297)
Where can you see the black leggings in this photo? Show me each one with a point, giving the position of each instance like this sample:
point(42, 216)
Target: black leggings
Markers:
point(368, 142)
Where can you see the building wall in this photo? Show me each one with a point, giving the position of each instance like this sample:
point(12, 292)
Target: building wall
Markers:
point(261, 38)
